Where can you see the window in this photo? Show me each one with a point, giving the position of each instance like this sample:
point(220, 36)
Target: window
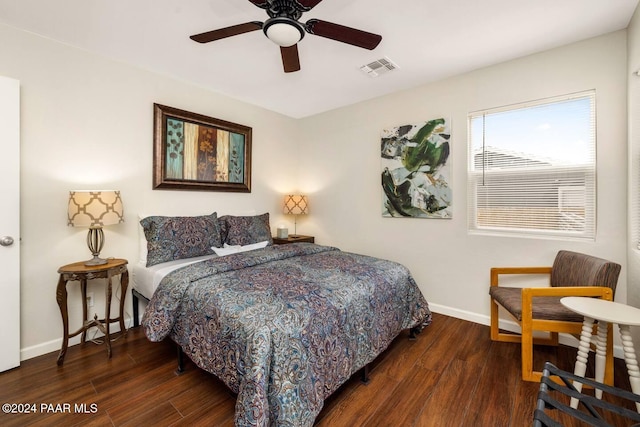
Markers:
point(532, 168)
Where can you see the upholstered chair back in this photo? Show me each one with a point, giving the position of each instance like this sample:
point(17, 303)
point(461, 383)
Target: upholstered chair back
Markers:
point(576, 269)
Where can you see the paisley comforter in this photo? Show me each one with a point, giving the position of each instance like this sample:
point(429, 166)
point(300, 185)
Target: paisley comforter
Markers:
point(285, 326)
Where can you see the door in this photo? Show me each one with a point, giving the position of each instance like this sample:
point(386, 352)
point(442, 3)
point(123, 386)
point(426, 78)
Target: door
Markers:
point(9, 223)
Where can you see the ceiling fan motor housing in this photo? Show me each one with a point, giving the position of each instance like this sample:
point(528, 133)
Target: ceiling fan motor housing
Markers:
point(288, 8)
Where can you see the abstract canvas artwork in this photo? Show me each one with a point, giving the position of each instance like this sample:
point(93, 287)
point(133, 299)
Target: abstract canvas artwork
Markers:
point(203, 153)
point(196, 152)
point(416, 170)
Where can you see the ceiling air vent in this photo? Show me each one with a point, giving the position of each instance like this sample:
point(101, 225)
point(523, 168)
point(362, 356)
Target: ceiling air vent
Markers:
point(381, 66)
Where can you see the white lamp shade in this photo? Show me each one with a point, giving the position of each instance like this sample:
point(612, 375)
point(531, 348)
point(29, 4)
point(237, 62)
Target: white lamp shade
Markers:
point(95, 209)
point(296, 204)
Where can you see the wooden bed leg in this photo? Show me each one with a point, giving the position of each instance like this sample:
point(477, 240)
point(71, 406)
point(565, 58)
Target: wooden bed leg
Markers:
point(134, 300)
point(180, 369)
point(413, 334)
point(365, 374)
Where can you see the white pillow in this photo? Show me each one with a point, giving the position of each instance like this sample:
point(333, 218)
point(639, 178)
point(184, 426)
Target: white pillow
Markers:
point(227, 249)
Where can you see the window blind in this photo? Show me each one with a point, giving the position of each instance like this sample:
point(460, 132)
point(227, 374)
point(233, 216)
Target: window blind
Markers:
point(532, 168)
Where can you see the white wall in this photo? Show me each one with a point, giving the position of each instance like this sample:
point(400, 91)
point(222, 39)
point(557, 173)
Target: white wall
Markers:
point(633, 100)
point(87, 123)
point(340, 169)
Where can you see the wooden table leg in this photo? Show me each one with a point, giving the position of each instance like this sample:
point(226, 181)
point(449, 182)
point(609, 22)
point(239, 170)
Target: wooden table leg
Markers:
point(83, 290)
point(583, 355)
point(124, 284)
point(601, 355)
point(630, 360)
point(61, 298)
point(107, 316)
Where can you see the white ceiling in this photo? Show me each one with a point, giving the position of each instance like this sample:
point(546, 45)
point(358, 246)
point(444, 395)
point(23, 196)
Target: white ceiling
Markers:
point(428, 39)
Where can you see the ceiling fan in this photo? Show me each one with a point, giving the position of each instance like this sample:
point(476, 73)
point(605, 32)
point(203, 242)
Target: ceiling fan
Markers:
point(284, 29)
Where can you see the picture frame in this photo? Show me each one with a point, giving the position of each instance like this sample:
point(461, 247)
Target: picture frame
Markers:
point(196, 152)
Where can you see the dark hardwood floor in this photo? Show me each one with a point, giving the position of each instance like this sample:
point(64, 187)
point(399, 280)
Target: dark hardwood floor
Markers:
point(452, 375)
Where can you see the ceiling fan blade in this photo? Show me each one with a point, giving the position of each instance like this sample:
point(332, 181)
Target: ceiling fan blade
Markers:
point(306, 5)
point(263, 4)
point(290, 58)
point(343, 34)
point(222, 33)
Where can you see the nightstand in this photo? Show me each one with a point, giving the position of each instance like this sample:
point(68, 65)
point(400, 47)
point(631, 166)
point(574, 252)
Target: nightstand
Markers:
point(82, 273)
point(293, 239)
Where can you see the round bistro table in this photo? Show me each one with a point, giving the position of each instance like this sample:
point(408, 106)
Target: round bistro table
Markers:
point(602, 311)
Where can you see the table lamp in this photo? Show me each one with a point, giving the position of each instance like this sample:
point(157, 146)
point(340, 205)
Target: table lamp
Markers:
point(95, 209)
point(296, 204)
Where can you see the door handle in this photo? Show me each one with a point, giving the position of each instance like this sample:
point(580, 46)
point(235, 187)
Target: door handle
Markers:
point(6, 241)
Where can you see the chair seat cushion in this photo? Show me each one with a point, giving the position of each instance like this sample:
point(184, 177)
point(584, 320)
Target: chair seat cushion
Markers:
point(547, 308)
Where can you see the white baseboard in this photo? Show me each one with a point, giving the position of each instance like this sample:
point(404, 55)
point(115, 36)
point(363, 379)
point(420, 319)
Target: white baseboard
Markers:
point(509, 325)
point(459, 314)
point(55, 345)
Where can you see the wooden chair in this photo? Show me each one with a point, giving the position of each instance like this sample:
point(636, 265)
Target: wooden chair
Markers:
point(539, 309)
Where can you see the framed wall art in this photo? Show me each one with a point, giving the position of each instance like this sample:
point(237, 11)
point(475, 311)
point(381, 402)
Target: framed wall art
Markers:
point(416, 171)
point(196, 152)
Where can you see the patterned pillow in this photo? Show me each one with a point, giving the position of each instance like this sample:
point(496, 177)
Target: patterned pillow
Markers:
point(246, 230)
point(224, 229)
point(175, 237)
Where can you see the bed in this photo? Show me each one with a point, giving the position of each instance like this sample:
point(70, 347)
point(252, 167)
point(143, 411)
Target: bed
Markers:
point(282, 326)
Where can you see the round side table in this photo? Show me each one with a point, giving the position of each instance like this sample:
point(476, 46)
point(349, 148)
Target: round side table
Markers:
point(604, 312)
point(82, 273)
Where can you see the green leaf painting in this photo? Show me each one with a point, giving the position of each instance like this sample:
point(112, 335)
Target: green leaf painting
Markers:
point(175, 147)
point(415, 170)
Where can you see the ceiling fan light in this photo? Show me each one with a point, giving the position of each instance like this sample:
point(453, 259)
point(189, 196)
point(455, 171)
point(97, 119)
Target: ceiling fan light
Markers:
point(282, 31)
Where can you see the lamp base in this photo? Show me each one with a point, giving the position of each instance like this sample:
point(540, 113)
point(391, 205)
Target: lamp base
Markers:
point(95, 241)
point(96, 260)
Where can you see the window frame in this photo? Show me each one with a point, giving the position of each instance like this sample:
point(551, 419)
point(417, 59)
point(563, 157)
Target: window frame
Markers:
point(588, 169)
